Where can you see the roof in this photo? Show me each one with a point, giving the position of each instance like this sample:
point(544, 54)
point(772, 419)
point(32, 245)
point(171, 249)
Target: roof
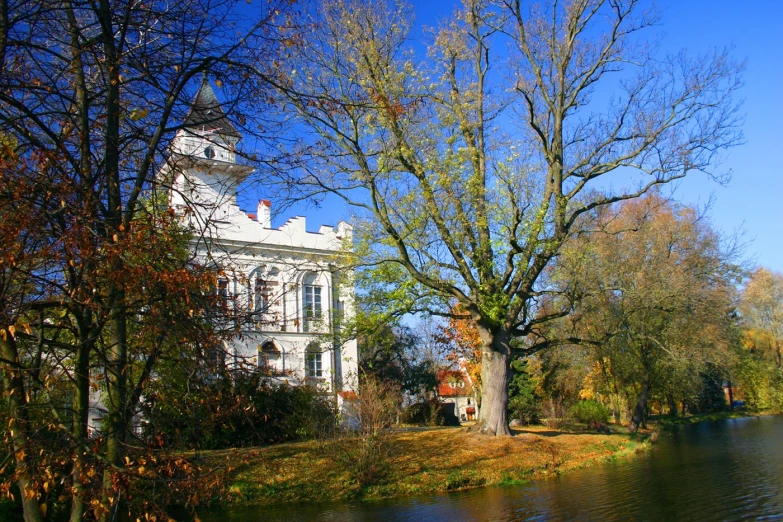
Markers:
point(453, 383)
point(206, 114)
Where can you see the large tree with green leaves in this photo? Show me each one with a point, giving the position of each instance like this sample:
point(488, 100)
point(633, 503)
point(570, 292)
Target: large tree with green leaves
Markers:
point(471, 167)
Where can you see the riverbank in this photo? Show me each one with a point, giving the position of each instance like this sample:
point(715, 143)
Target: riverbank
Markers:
point(666, 422)
point(422, 461)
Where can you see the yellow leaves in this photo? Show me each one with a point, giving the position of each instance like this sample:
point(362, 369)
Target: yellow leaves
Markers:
point(26, 327)
point(44, 508)
point(138, 114)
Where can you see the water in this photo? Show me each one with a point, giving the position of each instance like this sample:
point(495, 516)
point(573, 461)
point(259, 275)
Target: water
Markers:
point(723, 470)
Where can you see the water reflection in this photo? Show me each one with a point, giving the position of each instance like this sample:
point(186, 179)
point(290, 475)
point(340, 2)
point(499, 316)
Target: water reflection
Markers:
point(725, 470)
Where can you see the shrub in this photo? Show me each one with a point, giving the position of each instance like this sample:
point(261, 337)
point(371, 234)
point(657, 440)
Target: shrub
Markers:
point(590, 412)
point(524, 407)
point(247, 410)
point(364, 451)
point(425, 413)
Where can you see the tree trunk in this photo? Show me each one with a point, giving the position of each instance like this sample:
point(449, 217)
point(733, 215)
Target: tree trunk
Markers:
point(16, 398)
point(672, 405)
point(495, 371)
point(641, 405)
point(114, 424)
point(81, 405)
point(731, 394)
point(117, 356)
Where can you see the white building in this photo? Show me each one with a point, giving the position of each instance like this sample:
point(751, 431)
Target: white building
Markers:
point(284, 283)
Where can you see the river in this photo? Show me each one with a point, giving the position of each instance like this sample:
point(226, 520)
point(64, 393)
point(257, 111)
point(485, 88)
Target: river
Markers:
point(723, 470)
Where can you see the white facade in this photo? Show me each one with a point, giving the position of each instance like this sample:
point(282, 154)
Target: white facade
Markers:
point(285, 284)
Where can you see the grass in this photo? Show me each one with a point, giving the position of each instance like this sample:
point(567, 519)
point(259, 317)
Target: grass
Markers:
point(421, 462)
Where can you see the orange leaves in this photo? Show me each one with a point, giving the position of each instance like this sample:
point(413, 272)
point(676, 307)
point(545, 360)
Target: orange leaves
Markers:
point(462, 337)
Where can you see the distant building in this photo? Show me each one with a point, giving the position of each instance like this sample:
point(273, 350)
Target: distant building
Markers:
point(454, 387)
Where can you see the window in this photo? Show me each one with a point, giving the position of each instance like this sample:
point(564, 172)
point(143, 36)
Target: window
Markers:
point(270, 349)
point(314, 362)
point(263, 296)
point(312, 301)
point(267, 352)
point(261, 304)
point(222, 293)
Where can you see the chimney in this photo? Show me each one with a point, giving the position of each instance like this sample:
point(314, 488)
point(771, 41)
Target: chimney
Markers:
point(265, 213)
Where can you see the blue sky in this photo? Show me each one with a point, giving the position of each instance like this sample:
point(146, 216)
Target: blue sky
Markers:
point(753, 199)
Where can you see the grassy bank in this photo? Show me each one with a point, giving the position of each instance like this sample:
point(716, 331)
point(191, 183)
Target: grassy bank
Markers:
point(665, 422)
point(422, 461)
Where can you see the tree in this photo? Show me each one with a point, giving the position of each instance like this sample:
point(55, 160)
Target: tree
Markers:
point(759, 358)
point(523, 404)
point(762, 310)
point(390, 356)
point(657, 297)
point(90, 94)
point(472, 168)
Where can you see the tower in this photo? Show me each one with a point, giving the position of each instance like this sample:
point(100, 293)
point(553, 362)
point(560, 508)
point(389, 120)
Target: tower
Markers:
point(203, 163)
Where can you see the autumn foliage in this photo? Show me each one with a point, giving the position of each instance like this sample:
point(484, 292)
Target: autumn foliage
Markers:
point(462, 344)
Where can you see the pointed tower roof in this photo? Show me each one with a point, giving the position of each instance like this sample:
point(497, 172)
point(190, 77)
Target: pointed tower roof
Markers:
point(206, 114)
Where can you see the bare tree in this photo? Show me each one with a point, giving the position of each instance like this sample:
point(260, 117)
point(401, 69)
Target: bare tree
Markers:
point(472, 167)
point(90, 95)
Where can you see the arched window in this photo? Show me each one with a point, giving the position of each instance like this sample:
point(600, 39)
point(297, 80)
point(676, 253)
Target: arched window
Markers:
point(314, 361)
point(312, 300)
point(269, 348)
point(267, 352)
